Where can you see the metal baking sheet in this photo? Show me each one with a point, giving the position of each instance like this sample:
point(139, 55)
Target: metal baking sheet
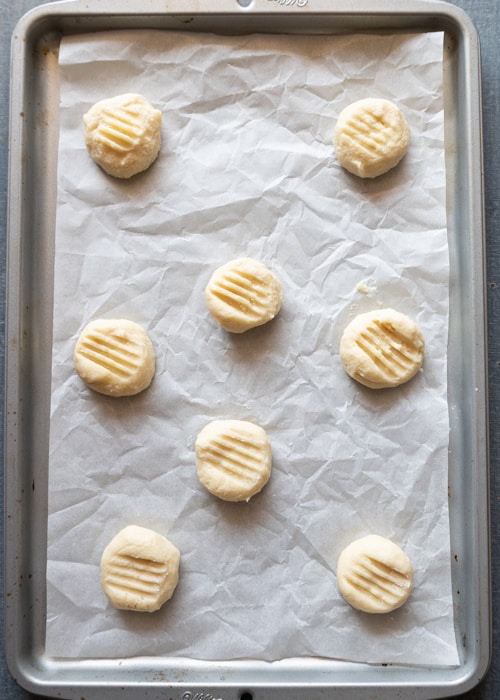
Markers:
point(32, 196)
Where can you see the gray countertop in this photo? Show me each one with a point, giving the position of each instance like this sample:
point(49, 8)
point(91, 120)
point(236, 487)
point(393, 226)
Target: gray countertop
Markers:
point(486, 16)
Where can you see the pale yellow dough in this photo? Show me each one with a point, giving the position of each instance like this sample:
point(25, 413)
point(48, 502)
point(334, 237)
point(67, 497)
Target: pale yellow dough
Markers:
point(115, 357)
point(233, 459)
point(382, 348)
point(370, 137)
point(123, 134)
point(139, 569)
point(243, 294)
point(374, 575)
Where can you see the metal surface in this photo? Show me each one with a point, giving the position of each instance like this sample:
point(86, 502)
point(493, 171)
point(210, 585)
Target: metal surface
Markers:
point(34, 132)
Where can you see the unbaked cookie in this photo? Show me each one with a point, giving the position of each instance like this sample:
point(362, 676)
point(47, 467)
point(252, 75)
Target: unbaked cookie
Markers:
point(371, 136)
point(374, 575)
point(123, 134)
point(243, 294)
point(233, 459)
point(382, 349)
point(115, 357)
point(139, 569)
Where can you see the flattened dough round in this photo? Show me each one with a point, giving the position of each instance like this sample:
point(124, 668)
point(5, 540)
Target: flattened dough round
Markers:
point(115, 357)
point(243, 294)
point(370, 137)
point(382, 348)
point(139, 569)
point(123, 134)
point(233, 459)
point(374, 575)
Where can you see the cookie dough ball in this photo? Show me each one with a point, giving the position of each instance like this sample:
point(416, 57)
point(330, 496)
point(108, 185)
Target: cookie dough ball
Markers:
point(374, 575)
point(371, 136)
point(233, 459)
point(115, 357)
point(139, 569)
point(123, 134)
point(243, 294)
point(382, 349)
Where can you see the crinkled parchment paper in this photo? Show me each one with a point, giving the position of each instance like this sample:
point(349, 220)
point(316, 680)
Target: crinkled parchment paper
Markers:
point(247, 168)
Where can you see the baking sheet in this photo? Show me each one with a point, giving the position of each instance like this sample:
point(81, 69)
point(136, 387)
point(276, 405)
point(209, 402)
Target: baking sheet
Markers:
point(247, 168)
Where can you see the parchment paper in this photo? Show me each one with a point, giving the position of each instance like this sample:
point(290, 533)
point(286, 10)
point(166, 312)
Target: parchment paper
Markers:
point(247, 168)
